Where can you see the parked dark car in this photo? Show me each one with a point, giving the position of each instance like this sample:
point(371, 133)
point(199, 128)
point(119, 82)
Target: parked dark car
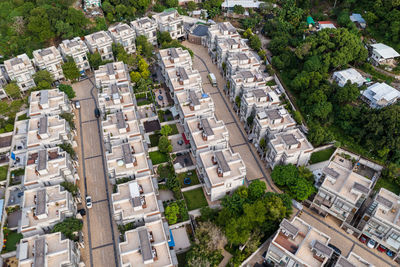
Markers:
point(97, 112)
point(82, 212)
point(335, 249)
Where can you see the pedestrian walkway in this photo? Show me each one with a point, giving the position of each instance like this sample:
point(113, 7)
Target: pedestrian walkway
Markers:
point(227, 257)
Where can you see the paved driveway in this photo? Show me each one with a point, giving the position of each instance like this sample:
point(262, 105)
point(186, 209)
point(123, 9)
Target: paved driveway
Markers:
point(224, 111)
point(99, 229)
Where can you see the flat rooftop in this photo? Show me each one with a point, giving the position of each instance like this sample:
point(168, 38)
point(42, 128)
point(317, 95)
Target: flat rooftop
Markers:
point(388, 208)
point(116, 96)
point(46, 101)
point(207, 132)
point(192, 103)
point(291, 142)
point(274, 118)
point(45, 129)
point(121, 124)
point(112, 72)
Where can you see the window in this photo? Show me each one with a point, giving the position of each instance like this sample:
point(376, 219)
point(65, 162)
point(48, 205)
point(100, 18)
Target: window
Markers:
point(395, 236)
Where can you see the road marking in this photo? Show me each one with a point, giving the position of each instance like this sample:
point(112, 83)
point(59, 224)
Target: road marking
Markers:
point(99, 201)
point(83, 99)
point(92, 157)
point(352, 247)
point(242, 144)
point(89, 121)
point(102, 246)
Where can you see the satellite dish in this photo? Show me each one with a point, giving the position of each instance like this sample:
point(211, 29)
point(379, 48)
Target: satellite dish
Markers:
point(120, 163)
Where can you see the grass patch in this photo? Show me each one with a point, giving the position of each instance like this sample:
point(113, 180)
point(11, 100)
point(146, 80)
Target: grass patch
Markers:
point(157, 157)
point(322, 155)
point(271, 83)
point(195, 199)
point(174, 129)
point(154, 138)
point(387, 184)
point(144, 98)
point(376, 75)
point(11, 238)
point(23, 117)
point(193, 176)
point(3, 172)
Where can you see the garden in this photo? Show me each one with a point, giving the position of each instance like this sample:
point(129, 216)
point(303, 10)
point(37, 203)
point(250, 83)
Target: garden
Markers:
point(165, 115)
point(322, 155)
point(158, 157)
point(188, 178)
point(145, 98)
point(3, 172)
point(195, 199)
point(154, 138)
point(11, 239)
point(176, 211)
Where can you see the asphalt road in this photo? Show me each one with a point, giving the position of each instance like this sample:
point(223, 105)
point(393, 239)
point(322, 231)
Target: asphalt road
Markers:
point(100, 230)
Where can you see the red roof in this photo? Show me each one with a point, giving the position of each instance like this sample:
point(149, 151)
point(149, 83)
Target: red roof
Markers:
point(185, 139)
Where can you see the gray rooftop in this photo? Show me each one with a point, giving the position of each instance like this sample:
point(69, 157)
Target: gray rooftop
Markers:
point(273, 114)
point(362, 189)
point(144, 20)
point(16, 61)
point(223, 164)
point(120, 120)
point(342, 262)
point(246, 74)
point(174, 53)
point(200, 30)
point(145, 246)
point(384, 201)
point(40, 253)
point(206, 127)
point(242, 56)
point(44, 97)
point(193, 98)
point(231, 41)
point(114, 90)
point(42, 160)
point(227, 27)
point(97, 35)
point(72, 43)
point(122, 27)
point(289, 139)
point(322, 249)
point(136, 202)
point(110, 69)
point(289, 227)
point(259, 93)
point(45, 52)
point(43, 125)
point(41, 202)
point(331, 172)
point(126, 150)
point(182, 73)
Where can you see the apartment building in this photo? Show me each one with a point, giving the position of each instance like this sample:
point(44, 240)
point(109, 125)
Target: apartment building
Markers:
point(128, 159)
point(219, 31)
point(120, 126)
point(206, 134)
point(381, 222)
point(50, 166)
point(44, 207)
point(47, 131)
point(269, 121)
point(136, 201)
point(48, 102)
point(115, 97)
point(3, 81)
point(147, 246)
point(288, 147)
point(257, 99)
point(299, 244)
point(353, 260)
point(112, 73)
point(222, 171)
point(172, 58)
point(228, 47)
point(183, 79)
point(49, 59)
point(124, 35)
point(170, 21)
point(21, 70)
point(244, 81)
point(147, 27)
point(48, 250)
point(345, 184)
point(192, 105)
point(100, 42)
point(77, 49)
point(242, 61)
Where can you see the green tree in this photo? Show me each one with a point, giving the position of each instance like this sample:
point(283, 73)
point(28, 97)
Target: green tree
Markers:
point(163, 37)
point(171, 213)
point(121, 55)
point(282, 174)
point(70, 187)
point(238, 101)
point(12, 90)
point(256, 189)
point(191, 6)
point(238, 9)
point(164, 145)
point(255, 42)
point(43, 79)
point(171, 3)
point(67, 89)
point(68, 227)
point(70, 70)
point(166, 130)
point(143, 46)
point(135, 76)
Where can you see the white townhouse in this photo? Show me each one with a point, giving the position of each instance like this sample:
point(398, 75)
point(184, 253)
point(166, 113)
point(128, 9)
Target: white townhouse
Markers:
point(77, 49)
point(49, 59)
point(100, 42)
point(147, 27)
point(170, 21)
point(21, 70)
point(124, 35)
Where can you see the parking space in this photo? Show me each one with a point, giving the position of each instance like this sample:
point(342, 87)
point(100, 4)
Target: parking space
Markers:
point(235, 137)
point(103, 256)
point(95, 181)
point(221, 111)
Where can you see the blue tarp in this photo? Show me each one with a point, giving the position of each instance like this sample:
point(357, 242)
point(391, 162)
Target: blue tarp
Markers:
point(1, 207)
point(171, 243)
